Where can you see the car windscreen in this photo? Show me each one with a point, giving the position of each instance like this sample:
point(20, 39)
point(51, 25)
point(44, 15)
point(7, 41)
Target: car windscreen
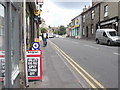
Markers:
point(112, 33)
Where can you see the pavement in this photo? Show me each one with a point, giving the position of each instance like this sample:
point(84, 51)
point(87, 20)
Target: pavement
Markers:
point(55, 73)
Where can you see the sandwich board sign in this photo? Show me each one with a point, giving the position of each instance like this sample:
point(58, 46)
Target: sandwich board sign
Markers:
point(34, 64)
point(2, 65)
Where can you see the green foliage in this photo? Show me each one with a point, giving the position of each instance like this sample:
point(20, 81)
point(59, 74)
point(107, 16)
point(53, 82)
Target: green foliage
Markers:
point(43, 30)
point(62, 30)
point(55, 32)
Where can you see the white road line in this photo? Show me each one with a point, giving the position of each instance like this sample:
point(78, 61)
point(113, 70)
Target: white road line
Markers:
point(108, 46)
point(74, 42)
point(91, 47)
point(116, 53)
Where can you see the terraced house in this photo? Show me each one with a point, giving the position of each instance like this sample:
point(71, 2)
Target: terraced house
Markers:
point(100, 15)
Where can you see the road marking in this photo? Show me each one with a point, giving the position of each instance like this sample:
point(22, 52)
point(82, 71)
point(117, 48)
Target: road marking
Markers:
point(84, 71)
point(106, 46)
point(116, 53)
point(66, 57)
point(91, 46)
point(71, 70)
point(74, 42)
point(93, 86)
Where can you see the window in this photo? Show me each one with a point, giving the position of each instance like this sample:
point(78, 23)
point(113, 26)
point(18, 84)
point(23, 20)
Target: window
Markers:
point(92, 14)
point(83, 31)
point(106, 11)
point(113, 33)
point(14, 43)
point(92, 31)
point(104, 34)
point(83, 18)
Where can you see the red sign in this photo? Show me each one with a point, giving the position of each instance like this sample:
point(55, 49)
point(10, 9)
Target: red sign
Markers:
point(40, 1)
point(2, 65)
point(34, 64)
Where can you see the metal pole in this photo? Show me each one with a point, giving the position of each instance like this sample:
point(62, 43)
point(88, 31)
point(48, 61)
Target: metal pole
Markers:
point(24, 24)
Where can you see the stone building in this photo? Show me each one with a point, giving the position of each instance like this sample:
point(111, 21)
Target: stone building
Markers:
point(100, 15)
point(90, 21)
point(75, 27)
point(109, 12)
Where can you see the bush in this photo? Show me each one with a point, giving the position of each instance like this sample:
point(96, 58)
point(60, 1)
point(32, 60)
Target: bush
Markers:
point(43, 30)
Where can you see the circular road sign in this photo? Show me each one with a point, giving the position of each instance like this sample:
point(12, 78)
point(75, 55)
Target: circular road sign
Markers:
point(36, 46)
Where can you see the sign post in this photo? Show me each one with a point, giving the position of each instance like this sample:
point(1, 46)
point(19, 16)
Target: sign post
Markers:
point(34, 64)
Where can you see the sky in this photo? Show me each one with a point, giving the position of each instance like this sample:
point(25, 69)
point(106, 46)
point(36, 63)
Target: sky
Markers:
point(60, 12)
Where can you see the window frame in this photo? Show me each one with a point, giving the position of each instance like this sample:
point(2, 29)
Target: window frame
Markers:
point(92, 29)
point(92, 14)
point(105, 10)
point(84, 17)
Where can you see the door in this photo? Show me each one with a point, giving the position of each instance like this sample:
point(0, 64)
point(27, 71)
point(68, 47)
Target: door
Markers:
point(86, 32)
point(105, 38)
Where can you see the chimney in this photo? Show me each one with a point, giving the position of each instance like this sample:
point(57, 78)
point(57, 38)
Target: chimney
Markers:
point(84, 9)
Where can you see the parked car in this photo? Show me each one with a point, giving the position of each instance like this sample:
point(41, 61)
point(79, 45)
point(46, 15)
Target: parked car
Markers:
point(56, 35)
point(50, 35)
point(107, 36)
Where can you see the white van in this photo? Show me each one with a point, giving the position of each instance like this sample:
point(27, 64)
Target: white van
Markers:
point(107, 36)
point(50, 35)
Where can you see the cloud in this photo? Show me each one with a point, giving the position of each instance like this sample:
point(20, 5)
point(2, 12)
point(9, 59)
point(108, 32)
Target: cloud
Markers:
point(72, 0)
point(60, 13)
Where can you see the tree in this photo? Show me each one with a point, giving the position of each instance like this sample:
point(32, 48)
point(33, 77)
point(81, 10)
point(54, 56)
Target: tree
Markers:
point(62, 30)
point(43, 30)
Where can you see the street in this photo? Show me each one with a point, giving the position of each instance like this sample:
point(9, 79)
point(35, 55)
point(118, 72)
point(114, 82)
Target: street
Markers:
point(72, 63)
point(59, 44)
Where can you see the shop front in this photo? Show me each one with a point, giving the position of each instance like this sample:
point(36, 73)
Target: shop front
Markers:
point(110, 23)
point(9, 43)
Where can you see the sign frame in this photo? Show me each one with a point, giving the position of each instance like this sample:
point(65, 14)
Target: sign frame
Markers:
point(2, 57)
point(38, 55)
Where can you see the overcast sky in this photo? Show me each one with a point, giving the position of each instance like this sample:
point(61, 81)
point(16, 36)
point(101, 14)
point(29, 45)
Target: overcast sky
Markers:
point(60, 12)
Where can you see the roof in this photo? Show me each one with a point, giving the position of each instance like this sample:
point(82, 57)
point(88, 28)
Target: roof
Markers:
point(90, 8)
point(106, 30)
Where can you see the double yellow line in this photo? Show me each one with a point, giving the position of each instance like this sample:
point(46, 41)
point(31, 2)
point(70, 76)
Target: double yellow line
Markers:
point(77, 67)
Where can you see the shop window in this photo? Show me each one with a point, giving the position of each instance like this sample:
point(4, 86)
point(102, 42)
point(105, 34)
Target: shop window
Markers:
point(14, 43)
point(106, 11)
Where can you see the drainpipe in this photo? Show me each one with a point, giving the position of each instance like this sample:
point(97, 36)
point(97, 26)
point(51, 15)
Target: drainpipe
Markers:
point(99, 15)
point(24, 25)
